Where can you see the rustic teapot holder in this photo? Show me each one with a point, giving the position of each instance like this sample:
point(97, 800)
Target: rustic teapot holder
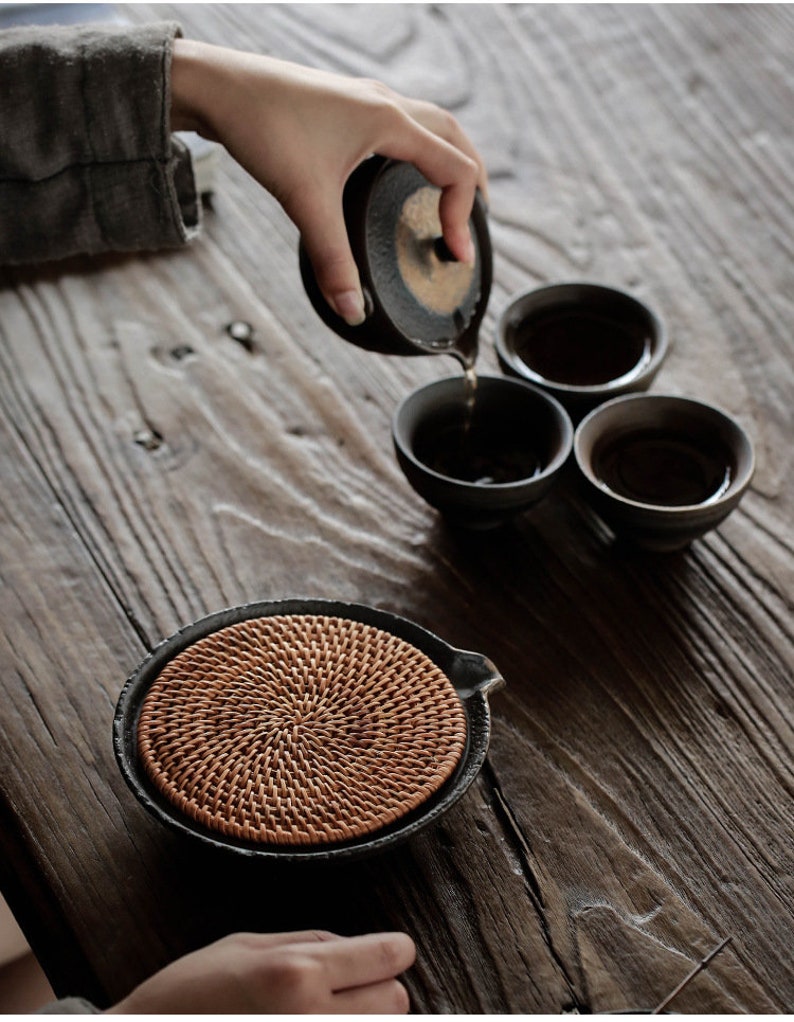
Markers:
point(303, 729)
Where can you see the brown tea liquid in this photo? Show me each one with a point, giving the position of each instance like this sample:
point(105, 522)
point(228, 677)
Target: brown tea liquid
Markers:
point(477, 448)
point(474, 444)
point(663, 467)
point(583, 347)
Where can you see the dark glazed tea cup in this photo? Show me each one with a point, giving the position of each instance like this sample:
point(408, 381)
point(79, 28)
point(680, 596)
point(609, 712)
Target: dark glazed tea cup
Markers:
point(482, 456)
point(662, 470)
point(584, 343)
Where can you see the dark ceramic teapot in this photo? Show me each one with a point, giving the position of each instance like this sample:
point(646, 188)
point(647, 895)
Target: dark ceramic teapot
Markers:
point(419, 300)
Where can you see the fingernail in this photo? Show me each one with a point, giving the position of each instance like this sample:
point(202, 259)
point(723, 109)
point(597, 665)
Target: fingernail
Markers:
point(470, 253)
point(350, 306)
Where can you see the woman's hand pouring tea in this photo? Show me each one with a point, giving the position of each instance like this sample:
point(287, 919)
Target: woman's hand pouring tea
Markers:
point(301, 132)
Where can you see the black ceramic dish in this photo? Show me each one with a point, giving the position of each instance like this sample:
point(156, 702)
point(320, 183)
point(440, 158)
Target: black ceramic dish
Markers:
point(473, 676)
point(481, 467)
point(582, 342)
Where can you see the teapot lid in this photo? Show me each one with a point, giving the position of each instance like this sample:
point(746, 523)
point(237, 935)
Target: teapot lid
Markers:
point(419, 299)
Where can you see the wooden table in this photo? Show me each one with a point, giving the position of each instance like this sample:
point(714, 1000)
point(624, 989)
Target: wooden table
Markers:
point(636, 804)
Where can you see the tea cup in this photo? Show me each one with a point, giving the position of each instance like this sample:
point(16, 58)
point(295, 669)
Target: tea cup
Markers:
point(662, 470)
point(481, 456)
point(582, 342)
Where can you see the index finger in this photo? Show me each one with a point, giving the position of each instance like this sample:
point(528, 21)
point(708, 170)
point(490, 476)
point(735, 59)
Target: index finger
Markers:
point(364, 960)
point(451, 170)
point(446, 126)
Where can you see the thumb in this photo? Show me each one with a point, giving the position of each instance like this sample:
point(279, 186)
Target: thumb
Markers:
point(324, 234)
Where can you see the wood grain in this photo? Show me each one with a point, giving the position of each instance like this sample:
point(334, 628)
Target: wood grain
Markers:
point(636, 805)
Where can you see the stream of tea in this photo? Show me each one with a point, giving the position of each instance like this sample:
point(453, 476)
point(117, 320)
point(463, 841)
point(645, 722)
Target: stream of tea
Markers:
point(478, 441)
point(470, 378)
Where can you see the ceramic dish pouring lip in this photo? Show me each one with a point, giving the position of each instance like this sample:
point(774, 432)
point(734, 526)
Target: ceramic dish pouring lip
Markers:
point(473, 676)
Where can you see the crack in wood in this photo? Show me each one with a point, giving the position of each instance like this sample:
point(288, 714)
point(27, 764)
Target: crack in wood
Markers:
point(522, 846)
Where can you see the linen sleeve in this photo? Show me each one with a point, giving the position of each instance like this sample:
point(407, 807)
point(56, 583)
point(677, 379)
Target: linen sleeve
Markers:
point(87, 160)
point(69, 1006)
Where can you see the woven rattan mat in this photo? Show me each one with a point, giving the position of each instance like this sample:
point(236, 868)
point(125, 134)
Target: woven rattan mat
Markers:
point(300, 729)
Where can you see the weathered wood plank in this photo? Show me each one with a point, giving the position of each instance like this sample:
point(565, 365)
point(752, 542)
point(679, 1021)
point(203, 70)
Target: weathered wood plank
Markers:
point(637, 805)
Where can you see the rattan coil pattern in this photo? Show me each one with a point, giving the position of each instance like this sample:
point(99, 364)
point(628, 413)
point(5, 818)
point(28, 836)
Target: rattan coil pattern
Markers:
point(300, 729)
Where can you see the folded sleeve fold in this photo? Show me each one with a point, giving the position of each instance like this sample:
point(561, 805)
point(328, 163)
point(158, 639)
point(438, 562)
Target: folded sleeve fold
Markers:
point(87, 159)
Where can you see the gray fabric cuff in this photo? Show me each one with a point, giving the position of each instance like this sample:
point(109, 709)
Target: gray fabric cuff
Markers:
point(88, 163)
point(69, 1006)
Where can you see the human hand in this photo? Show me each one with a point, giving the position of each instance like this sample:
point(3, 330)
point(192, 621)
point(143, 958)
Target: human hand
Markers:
point(306, 972)
point(301, 132)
